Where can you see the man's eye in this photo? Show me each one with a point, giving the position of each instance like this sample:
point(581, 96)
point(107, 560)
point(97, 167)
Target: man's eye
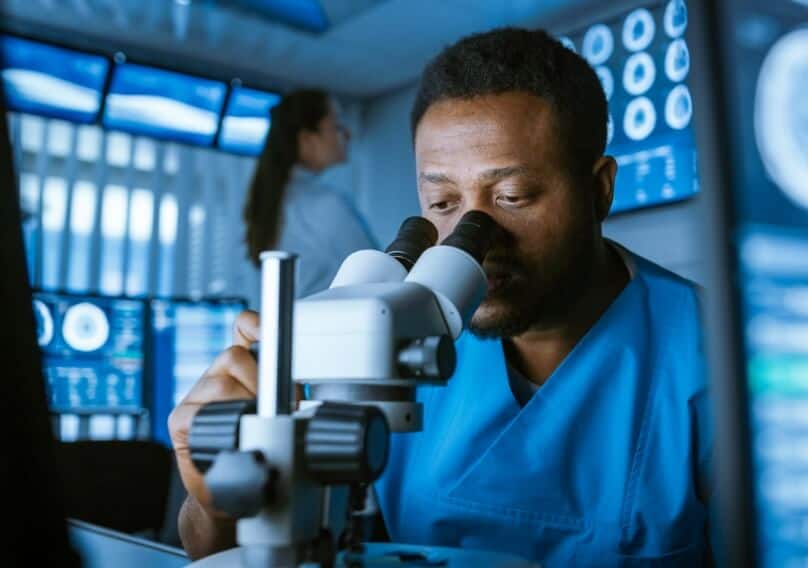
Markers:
point(511, 199)
point(514, 199)
point(439, 206)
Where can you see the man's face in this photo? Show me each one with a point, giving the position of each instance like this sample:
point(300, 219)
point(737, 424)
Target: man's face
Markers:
point(501, 154)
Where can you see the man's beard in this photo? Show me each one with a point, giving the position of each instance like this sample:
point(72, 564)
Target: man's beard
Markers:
point(538, 296)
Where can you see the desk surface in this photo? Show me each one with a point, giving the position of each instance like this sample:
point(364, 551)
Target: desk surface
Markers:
point(101, 548)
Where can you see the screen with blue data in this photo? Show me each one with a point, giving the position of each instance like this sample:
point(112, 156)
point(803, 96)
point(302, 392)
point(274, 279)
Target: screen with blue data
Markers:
point(93, 351)
point(186, 338)
point(163, 104)
point(643, 62)
point(767, 55)
point(246, 120)
point(52, 81)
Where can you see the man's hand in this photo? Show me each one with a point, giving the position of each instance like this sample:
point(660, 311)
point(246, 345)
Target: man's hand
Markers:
point(233, 375)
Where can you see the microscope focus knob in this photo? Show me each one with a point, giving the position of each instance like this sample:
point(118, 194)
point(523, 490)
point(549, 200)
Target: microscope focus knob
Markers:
point(346, 443)
point(428, 357)
point(215, 429)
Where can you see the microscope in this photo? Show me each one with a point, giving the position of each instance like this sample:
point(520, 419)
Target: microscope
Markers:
point(299, 481)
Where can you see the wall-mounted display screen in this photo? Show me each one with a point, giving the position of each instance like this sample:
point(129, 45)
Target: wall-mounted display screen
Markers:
point(164, 104)
point(186, 338)
point(246, 120)
point(93, 351)
point(643, 62)
point(52, 81)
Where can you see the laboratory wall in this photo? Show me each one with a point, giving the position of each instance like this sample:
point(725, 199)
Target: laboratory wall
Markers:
point(125, 215)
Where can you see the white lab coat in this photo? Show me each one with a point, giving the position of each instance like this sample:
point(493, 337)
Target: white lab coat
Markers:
point(322, 227)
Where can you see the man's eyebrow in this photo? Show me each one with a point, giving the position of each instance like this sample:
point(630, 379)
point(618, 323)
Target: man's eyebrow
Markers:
point(488, 175)
point(437, 178)
point(502, 173)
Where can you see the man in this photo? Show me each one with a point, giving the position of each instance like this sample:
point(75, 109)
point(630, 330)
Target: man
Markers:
point(574, 430)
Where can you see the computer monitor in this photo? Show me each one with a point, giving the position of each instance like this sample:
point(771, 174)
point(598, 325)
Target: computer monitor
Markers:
point(44, 79)
point(93, 356)
point(750, 62)
point(643, 61)
point(163, 104)
point(186, 337)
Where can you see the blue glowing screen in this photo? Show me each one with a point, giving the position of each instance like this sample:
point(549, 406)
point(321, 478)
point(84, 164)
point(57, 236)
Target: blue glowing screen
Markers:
point(767, 52)
point(246, 121)
point(164, 104)
point(52, 81)
point(93, 351)
point(186, 338)
point(643, 62)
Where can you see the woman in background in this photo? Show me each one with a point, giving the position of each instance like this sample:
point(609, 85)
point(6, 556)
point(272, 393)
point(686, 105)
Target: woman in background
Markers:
point(288, 206)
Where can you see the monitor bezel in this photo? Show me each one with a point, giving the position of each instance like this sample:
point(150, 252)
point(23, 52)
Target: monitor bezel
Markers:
point(724, 344)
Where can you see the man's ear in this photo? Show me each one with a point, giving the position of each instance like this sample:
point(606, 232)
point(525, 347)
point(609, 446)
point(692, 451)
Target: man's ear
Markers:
point(603, 174)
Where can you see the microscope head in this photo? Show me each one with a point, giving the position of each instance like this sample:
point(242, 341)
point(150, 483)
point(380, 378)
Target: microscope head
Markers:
point(389, 320)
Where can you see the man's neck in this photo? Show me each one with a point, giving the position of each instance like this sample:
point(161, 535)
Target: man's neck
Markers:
point(539, 351)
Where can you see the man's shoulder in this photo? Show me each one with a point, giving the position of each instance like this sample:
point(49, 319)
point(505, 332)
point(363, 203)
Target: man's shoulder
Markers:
point(672, 307)
point(663, 284)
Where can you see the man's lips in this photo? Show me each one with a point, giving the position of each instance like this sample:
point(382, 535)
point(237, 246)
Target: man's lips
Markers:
point(497, 282)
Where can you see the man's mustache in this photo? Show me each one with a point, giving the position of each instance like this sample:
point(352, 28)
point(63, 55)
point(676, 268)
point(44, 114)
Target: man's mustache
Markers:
point(495, 264)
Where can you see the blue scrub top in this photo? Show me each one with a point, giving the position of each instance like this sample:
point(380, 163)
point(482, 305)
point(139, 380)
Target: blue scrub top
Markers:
point(606, 465)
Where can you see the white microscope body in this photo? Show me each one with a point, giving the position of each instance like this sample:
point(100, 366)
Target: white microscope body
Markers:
point(387, 324)
point(379, 331)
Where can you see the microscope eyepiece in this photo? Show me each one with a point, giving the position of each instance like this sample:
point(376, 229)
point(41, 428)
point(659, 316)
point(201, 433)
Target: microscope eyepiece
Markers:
point(474, 233)
point(415, 235)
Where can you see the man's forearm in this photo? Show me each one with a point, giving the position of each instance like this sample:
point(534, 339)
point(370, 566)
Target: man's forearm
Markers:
point(202, 533)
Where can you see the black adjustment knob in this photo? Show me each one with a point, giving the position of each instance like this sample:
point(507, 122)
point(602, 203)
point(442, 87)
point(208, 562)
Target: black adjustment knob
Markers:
point(430, 357)
point(215, 429)
point(346, 443)
point(241, 483)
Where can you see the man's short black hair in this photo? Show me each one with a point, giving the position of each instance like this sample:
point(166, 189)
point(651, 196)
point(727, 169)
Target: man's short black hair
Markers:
point(532, 61)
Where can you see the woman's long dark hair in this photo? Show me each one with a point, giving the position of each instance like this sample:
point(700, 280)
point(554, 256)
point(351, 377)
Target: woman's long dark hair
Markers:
point(301, 110)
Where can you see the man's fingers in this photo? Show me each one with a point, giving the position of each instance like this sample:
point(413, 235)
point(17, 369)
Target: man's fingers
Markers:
point(208, 389)
point(239, 364)
point(214, 388)
point(247, 329)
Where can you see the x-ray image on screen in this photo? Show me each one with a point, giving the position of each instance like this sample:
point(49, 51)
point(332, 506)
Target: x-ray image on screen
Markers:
point(643, 62)
point(781, 115)
point(52, 81)
point(93, 351)
point(164, 104)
